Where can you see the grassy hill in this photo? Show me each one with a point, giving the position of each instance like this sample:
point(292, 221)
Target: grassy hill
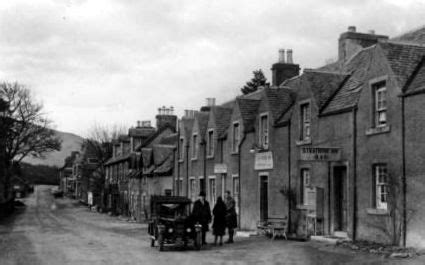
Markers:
point(45, 171)
point(70, 142)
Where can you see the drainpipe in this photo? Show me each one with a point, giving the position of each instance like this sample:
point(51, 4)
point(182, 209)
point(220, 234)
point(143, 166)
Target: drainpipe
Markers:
point(289, 176)
point(404, 184)
point(354, 173)
point(239, 179)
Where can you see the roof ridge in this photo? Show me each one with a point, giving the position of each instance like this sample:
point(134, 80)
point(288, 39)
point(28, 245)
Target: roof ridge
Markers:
point(404, 42)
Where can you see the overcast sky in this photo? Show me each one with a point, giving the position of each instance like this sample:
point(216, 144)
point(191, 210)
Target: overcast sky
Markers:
point(115, 62)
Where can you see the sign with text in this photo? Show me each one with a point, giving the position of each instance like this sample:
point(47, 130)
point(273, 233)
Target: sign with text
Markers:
point(263, 160)
point(320, 154)
point(220, 168)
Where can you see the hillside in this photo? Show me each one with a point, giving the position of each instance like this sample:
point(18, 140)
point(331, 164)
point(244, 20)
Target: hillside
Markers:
point(71, 142)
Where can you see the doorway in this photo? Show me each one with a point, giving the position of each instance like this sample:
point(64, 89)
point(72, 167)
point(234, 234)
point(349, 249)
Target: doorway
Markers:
point(340, 198)
point(264, 197)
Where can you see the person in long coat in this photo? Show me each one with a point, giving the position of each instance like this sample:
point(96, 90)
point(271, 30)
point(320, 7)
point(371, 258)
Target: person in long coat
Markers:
point(231, 216)
point(201, 213)
point(219, 223)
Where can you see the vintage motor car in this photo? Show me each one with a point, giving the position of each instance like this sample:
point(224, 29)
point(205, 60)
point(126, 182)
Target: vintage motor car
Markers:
point(172, 224)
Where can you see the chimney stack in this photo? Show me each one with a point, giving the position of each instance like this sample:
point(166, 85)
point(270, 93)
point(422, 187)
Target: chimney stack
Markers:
point(351, 41)
point(139, 124)
point(351, 29)
point(281, 55)
point(289, 56)
point(166, 117)
point(210, 102)
point(284, 69)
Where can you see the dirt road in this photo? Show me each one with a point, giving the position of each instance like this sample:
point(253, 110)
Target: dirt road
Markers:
point(60, 231)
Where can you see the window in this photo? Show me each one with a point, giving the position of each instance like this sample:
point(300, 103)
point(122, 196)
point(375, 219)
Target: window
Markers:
point(167, 192)
point(194, 146)
point(264, 131)
point(305, 112)
point(210, 143)
point(235, 191)
point(380, 186)
point(192, 189)
point(223, 184)
point(305, 185)
point(236, 137)
point(212, 191)
point(181, 150)
point(380, 104)
point(92, 160)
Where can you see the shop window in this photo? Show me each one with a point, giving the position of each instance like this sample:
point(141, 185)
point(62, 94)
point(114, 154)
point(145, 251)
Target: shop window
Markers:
point(305, 112)
point(380, 186)
point(264, 131)
point(236, 137)
point(210, 143)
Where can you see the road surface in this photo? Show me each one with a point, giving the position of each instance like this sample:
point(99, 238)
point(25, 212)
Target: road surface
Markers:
point(61, 231)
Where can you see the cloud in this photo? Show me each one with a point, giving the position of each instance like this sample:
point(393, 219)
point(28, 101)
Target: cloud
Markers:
point(116, 61)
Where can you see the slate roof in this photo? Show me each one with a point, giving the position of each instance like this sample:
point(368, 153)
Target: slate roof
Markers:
point(417, 83)
point(202, 118)
point(403, 58)
point(348, 95)
point(417, 36)
point(114, 160)
point(187, 127)
point(222, 119)
point(248, 109)
point(280, 99)
point(170, 139)
point(141, 131)
point(154, 136)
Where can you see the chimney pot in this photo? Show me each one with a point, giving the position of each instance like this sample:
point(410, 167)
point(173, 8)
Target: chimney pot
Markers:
point(281, 55)
point(289, 58)
point(352, 28)
point(139, 123)
point(171, 110)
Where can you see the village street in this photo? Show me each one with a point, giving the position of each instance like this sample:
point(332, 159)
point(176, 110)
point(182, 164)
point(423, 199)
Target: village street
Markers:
point(61, 231)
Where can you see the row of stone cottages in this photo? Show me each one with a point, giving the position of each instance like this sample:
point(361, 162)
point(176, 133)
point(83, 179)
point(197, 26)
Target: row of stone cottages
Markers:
point(338, 150)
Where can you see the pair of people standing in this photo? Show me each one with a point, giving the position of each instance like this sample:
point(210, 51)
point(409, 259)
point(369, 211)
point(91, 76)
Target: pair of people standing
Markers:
point(224, 216)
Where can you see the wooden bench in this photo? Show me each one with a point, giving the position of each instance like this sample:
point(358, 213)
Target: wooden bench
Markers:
point(274, 227)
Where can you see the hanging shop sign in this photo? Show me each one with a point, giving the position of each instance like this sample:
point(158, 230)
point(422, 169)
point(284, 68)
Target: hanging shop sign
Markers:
point(320, 154)
point(263, 160)
point(220, 168)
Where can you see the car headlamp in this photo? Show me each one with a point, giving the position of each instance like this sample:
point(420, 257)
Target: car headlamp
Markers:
point(188, 230)
point(170, 230)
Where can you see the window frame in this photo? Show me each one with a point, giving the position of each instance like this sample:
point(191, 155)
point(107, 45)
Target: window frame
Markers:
point(379, 195)
point(236, 140)
point(210, 143)
point(305, 185)
point(305, 123)
point(264, 135)
point(380, 98)
point(212, 190)
point(195, 142)
point(181, 150)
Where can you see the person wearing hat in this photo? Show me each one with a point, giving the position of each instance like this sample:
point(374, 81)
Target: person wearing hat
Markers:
point(201, 214)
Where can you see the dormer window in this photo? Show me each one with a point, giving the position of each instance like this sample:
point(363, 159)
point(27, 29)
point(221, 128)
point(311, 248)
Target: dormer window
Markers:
point(181, 149)
point(305, 115)
point(235, 137)
point(210, 143)
point(194, 146)
point(264, 131)
point(380, 104)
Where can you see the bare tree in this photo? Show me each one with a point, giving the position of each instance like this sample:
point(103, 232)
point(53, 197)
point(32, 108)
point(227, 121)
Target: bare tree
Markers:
point(26, 129)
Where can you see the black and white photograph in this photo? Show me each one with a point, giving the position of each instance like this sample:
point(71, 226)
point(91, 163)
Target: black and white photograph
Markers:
point(212, 132)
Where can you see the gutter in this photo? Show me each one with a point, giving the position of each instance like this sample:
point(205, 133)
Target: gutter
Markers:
point(289, 175)
point(187, 168)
